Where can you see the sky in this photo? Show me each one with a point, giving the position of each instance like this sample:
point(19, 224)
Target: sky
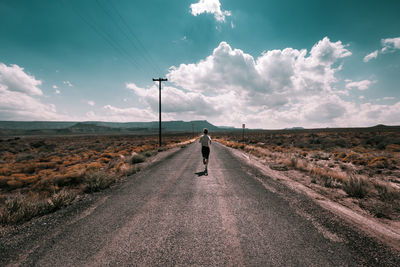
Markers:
point(264, 63)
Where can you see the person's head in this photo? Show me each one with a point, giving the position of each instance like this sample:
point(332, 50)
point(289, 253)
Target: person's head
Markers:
point(205, 131)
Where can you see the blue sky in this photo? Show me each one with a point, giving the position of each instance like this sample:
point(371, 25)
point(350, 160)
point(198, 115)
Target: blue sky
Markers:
point(269, 64)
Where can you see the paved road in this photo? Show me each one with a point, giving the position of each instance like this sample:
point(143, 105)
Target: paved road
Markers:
point(171, 214)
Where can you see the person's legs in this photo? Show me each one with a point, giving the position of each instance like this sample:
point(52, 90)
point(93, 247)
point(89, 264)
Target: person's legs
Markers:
point(207, 154)
point(205, 151)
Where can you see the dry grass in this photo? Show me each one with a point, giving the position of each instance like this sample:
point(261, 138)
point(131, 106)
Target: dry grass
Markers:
point(356, 187)
point(96, 181)
point(365, 165)
point(41, 174)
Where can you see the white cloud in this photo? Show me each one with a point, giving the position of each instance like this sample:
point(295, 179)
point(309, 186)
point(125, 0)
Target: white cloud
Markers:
point(176, 101)
point(18, 92)
point(67, 83)
point(272, 80)
point(278, 89)
point(57, 92)
point(390, 44)
point(360, 85)
point(13, 78)
point(55, 87)
point(21, 106)
point(371, 56)
point(389, 98)
point(91, 103)
point(209, 6)
point(126, 114)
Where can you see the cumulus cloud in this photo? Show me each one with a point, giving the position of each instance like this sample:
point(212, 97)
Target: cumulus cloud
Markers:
point(13, 78)
point(176, 101)
point(274, 79)
point(371, 56)
point(18, 92)
point(57, 92)
point(209, 6)
point(20, 106)
point(91, 103)
point(279, 88)
point(390, 44)
point(360, 85)
point(55, 87)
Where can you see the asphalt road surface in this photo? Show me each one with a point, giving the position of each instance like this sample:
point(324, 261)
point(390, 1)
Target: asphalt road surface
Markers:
point(171, 214)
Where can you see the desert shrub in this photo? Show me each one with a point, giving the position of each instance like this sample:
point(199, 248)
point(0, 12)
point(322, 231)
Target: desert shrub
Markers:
point(16, 209)
point(393, 147)
point(356, 187)
point(379, 162)
point(29, 179)
point(20, 208)
point(62, 198)
point(302, 165)
point(339, 155)
point(387, 193)
point(24, 157)
point(38, 144)
point(351, 157)
point(28, 168)
point(97, 181)
point(93, 166)
point(341, 142)
point(129, 170)
point(14, 184)
point(328, 178)
point(104, 160)
point(46, 165)
point(108, 155)
point(149, 153)
point(138, 158)
point(381, 146)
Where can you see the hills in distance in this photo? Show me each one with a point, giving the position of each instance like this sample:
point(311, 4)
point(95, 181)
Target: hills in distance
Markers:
point(99, 127)
point(8, 128)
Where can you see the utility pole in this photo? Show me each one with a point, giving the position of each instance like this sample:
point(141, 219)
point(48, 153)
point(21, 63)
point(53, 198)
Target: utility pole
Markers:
point(243, 126)
point(159, 80)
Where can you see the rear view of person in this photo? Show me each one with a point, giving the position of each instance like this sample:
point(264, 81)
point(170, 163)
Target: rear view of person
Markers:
point(205, 141)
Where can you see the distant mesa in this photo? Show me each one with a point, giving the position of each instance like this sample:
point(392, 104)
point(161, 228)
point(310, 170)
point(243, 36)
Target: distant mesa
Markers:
point(380, 126)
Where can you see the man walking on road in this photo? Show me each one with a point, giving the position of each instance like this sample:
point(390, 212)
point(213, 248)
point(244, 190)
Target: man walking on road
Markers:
point(205, 141)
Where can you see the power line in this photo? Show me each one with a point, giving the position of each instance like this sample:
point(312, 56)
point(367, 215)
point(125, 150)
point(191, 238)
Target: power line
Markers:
point(107, 12)
point(106, 36)
point(146, 53)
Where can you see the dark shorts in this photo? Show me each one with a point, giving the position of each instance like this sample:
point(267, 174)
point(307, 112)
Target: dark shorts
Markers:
point(205, 151)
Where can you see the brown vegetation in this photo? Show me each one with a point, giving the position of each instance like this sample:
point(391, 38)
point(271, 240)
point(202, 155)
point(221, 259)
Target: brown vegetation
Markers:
point(41, 174)
point(364, 165)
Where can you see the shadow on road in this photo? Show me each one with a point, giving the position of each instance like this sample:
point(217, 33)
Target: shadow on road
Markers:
point(200, 173)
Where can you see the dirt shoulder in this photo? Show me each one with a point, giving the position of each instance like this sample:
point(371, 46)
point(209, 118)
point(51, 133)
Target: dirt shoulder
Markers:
point(384, 230)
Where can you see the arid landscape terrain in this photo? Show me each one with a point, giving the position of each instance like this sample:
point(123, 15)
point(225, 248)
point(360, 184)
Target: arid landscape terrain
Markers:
point(359, 168)
point(40, 174)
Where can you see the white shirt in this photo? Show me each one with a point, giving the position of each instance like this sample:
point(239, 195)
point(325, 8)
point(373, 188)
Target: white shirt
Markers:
point(205, 140)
